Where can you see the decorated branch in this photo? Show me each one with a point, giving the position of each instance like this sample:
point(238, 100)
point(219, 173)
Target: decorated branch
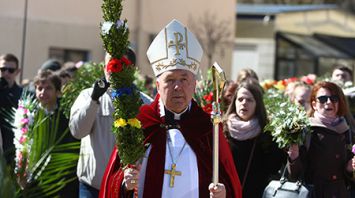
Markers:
point(288, 122)
point(24, 119)
point(125, 96)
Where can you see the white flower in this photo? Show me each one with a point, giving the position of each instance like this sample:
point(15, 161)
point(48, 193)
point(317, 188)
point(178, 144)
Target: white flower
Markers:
point(106, 27)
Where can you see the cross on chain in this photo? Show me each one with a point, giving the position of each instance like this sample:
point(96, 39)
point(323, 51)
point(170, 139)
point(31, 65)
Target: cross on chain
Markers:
point(172, 174)
point(178, 42)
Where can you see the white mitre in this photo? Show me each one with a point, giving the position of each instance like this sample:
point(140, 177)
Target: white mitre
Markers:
point(175, 47)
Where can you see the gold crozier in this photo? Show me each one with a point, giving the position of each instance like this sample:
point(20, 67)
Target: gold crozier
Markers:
point(173, 172)
point(178, 42)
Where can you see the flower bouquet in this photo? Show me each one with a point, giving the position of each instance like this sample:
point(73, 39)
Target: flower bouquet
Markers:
point(204, 92)
point(125, 96)
point(288, 123)
point(24, 118)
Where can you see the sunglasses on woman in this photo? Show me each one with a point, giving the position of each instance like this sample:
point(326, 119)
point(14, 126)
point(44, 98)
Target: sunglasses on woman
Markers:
point(324, 99)
point(10, 70)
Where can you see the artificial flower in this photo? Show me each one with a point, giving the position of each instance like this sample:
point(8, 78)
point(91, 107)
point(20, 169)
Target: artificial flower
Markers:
point(134, 122)
point(120, 122)
point(280, 85)
point(114, 65)
point(106, 27)
point(119, 92)
point(208, 97)
point(309, 79)
point(120, 23)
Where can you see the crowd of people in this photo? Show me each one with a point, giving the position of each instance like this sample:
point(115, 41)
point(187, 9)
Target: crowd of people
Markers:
point(178, 156)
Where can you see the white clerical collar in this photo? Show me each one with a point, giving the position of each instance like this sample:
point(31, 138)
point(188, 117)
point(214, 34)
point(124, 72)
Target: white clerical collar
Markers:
point(176, 115)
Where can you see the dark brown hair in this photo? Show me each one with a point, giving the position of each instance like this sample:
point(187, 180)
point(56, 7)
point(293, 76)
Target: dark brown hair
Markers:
point(48, 75)
point(343, 68)
point(334, 90)
point(256, 90)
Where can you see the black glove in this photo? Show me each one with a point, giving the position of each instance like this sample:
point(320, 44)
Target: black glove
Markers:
point(100, 88)
point(3, 83)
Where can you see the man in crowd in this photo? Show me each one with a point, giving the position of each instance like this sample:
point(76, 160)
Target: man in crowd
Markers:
point(91, 120)
point(342, 73)
point(10, 93)
point(178, 161)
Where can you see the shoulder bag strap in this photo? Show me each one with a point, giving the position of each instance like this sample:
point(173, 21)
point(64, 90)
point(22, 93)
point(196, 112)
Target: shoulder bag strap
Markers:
point(249, 162)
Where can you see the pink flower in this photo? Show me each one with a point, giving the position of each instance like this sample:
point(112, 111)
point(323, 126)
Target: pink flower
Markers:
point(353, 149)
point(24, 130)
point(24, 120)
point(22, 139)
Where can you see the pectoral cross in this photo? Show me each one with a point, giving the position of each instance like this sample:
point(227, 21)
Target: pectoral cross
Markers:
point(172, 174)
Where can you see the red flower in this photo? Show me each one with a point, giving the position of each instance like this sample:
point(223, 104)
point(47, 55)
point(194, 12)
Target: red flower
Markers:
point(309, 79)
point(114, 65)
point(208, 97)
point(126, 61)
point(207, 108)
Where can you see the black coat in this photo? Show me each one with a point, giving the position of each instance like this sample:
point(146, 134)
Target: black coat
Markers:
point(9, 98)
point(324, 162)
point(266, 161)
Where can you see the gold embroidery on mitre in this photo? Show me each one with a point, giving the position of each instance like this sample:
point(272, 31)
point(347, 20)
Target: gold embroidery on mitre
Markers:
point(174, 62)
point(179, 44)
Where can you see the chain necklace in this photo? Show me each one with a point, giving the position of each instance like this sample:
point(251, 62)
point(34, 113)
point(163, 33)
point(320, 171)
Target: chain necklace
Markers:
point(173, 172)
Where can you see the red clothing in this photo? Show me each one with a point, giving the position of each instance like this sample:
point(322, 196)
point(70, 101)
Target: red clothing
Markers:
point(196, 127)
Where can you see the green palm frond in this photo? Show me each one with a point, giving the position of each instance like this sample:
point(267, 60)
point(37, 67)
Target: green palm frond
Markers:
point(57, 173)
point(51, 161)
point(51, 164)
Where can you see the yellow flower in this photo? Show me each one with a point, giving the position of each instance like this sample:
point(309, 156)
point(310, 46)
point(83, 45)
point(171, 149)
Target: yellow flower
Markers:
point(120, 122)
point(134, 122)
point(280, 85)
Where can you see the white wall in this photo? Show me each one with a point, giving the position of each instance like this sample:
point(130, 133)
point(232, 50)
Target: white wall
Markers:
point(256, 54)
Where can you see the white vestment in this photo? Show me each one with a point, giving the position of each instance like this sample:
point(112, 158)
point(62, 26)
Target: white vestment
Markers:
point(185, 185)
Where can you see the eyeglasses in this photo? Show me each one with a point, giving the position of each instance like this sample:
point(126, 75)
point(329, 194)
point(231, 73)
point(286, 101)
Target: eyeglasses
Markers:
point(324, 99)
point(10, 70)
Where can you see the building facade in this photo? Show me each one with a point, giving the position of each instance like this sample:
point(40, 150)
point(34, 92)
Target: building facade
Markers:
point(69, 29)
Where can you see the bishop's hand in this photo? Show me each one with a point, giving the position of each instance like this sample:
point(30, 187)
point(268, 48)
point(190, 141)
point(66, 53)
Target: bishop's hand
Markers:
point(130, 177)
point(217, 191)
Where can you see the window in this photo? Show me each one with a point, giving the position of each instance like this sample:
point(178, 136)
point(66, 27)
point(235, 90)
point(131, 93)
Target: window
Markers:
point(64, 55)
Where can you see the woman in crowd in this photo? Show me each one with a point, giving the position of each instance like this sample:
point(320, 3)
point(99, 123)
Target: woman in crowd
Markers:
point(246, 74)
point(300, 95)
point(255, 155)
point(227, 94)
point(325, 161)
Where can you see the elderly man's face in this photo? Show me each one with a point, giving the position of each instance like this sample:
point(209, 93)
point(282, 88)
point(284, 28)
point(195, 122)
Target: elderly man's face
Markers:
point(176, 89)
